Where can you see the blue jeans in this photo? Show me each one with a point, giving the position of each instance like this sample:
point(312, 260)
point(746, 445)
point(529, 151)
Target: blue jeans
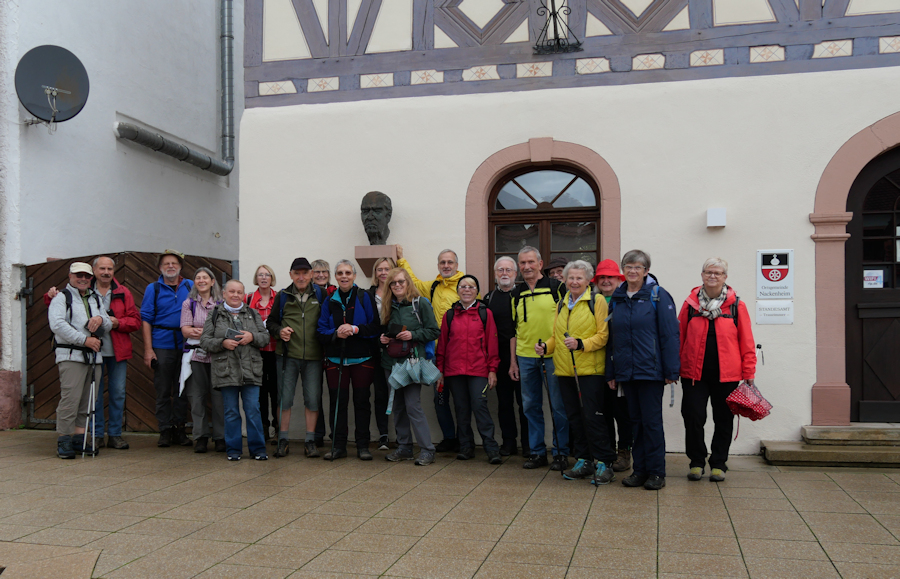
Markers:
point(531, 375)
point(309, 372)
point(115, 375)
point(234, 443)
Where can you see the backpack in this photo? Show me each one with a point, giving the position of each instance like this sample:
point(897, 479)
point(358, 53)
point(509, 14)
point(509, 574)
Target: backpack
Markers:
point(283, 295)
point(553, 290)
point(482, 313)
point(429, 346)
point(594, 294)
point(434, 286)
point(53, 344)
point(692, 313)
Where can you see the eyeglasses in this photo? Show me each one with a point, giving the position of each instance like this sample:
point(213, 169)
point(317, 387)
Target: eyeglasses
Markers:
point(466, 287)
point(634, 267)
point(319, 272)
point(82, 275)
point(265, 274)
point(714, 273)
point(398, 283)
point(506, 270)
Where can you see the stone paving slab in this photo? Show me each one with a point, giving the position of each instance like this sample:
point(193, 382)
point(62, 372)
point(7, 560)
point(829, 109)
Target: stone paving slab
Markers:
point(149, 513)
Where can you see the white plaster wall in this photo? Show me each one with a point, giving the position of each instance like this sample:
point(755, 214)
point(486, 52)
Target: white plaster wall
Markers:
point(756, 146)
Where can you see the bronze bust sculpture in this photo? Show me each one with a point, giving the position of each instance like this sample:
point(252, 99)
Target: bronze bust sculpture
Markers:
point(375, 213)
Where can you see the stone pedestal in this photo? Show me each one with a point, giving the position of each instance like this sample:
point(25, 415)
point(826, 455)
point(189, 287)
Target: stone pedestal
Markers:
point(366, 255)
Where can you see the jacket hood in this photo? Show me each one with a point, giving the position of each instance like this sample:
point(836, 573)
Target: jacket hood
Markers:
point(450, 281)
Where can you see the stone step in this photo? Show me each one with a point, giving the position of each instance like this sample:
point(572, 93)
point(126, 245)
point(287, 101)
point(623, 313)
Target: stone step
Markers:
point(856, 434)
point(795, 453)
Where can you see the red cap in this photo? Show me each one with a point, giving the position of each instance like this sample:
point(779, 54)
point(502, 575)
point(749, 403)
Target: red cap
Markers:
point(608, 267)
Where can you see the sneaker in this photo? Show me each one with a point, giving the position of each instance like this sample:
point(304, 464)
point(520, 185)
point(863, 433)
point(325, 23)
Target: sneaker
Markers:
point(448, 445)
point(536, 461)
point(655, 482)
point(165, 438)
point(383, 442)
point(309, 449)
point(78, 445)
point(696, 473)
point(64, 447)
point(180, 438)
point(560, 463)
point(635, 479)
point(260, 457)
point(283, 448)
point(363, 454)
point(201, 444)
point(220, 444)
point(425, 458)
point(335, 454)
point(117, 442)
point(494, 457)
point(508, 448)
point(716, 475)
point(465, 453)
point(234, 457)
point(603, 475)
point(623, 460)
point(399, 455)
point(582, 469)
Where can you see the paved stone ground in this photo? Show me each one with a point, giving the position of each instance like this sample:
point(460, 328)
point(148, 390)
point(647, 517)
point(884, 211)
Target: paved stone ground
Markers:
point(149, 512)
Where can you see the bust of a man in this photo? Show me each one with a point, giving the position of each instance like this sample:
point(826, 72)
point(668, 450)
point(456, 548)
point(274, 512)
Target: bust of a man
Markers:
point(375, 213)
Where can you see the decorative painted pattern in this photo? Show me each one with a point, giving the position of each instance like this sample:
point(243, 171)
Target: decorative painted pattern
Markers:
point(281, 87)
point(591, 65)
point(889, 44)
point(323, 84)
point(426, 77)
point(481, 73)
point(376, 80)
point(833, 48)
point(772, 53)
point(534, 70)
point(707, 57)
point(648, 62)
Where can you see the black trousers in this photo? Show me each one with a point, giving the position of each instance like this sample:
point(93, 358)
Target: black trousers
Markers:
point(360, 375)
point(697, 393)
point(268, 393)
point(617, 419)
point(320, 420)
point(470, 397)
point(509, 392)
point(588, 435)
point(171, 409)
point(382, 394)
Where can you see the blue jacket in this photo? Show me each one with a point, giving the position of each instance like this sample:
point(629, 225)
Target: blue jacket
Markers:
point(161, 308)
point(363, 314)
point(643, 335)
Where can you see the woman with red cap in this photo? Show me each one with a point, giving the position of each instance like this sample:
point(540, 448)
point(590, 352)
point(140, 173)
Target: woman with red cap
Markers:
point(606, 279)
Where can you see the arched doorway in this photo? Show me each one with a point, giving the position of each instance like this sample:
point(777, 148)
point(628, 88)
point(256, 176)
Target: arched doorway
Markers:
point(872, 273)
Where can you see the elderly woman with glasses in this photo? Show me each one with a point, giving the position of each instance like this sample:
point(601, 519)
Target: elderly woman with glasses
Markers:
point(717, 353)
point(262, 300)
point(642, 357)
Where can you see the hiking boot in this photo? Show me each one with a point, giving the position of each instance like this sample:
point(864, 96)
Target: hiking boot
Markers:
point(383, 442)
point(180, 438)
point(493, 457)
point(696, 473)
point(560, 463)
point(508, 448)
point(465, 453)
point(64, 447)
point(165, 438)
point(309, 449)
point(399, 455)
point(335, 454)
point(448, 445)
point(603, 475)
point(100, 442)
point(117, 442)
point(220, 444)
point(201, 444)
point(716, 475)
point(582, 469)
point(283, 448)
point(425, 458)
point(363, 454)
point(623, 461)
point(536, 461)
point(78, 445)
point(655, 482)
point(635, 479)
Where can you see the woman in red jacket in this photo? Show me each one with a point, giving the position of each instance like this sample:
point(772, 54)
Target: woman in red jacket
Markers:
point(468, 357)
point(717, 353)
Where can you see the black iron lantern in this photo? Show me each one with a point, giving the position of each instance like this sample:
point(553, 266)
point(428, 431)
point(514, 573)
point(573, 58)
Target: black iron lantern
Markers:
point(554, 37)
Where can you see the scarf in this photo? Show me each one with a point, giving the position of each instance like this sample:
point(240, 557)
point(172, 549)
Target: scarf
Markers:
point(712, 307)
point(231, 309)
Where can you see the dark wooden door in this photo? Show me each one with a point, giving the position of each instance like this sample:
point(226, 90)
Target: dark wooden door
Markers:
point(873, 313)
point(133, 270)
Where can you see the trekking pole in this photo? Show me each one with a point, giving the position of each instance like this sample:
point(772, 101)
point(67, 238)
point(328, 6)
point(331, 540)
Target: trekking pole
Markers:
point(337, 400)
point(92, 414)
point(547, 388)
point(575, 373)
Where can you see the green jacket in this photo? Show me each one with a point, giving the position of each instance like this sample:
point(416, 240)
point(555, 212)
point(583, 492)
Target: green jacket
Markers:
point(301, 313)
point(240, 366)
point(402, 314)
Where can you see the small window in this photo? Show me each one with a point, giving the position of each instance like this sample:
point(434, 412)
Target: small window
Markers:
point(881, 229)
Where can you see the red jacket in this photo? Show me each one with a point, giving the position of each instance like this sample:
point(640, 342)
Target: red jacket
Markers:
point(737, 351)
point(124, 310)
point(467, 346)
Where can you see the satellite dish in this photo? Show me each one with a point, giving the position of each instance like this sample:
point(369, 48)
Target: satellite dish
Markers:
point(51, 83)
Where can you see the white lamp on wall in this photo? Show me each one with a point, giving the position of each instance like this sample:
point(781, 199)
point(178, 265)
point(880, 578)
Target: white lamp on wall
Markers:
point(715, 217)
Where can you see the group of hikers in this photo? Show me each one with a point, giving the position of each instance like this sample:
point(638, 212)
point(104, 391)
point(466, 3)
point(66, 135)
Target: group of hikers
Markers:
point(600, 343)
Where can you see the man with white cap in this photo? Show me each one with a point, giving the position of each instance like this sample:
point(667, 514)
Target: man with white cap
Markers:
point(78, 322)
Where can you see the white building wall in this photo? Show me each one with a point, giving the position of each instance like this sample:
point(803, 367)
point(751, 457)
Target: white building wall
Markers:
point(756, 146)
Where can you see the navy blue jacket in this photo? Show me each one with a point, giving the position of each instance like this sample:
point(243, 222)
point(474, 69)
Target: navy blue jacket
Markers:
point(364, 315)
point(643, 339)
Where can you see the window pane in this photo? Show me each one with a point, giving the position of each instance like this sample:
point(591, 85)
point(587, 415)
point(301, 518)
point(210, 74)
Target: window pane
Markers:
point(512, 238)
point(579, 194)
point(575, 236)
point(881, 197)
point(878, 250)
point(544, 185)
point(511, 197)
point(588, 256)
point(877, 224)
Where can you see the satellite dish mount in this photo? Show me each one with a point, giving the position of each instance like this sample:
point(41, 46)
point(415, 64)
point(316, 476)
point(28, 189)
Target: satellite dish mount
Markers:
point(52, 85)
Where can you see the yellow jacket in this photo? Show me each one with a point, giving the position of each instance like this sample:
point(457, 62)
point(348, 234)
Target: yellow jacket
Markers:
point(591, 330)
point(444, 294)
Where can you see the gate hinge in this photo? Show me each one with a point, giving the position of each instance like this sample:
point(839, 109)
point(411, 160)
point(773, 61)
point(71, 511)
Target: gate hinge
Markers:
point(27, 291)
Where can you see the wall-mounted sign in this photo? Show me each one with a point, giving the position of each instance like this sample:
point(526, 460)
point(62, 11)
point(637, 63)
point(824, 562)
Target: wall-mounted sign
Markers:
point(775, 274)
point(873, 278)
point(775, 312)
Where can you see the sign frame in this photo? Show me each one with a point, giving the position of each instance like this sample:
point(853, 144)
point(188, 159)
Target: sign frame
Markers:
point(775, 269)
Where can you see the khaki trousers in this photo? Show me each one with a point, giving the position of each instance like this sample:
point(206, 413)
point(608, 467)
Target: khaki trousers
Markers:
point(75, 390)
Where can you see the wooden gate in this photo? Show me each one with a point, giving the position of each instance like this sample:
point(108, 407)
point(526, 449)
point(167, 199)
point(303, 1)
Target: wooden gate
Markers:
point(133, 270)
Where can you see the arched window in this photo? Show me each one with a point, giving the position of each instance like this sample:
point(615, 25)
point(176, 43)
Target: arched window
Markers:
point(881, 229)
point(555, 209)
